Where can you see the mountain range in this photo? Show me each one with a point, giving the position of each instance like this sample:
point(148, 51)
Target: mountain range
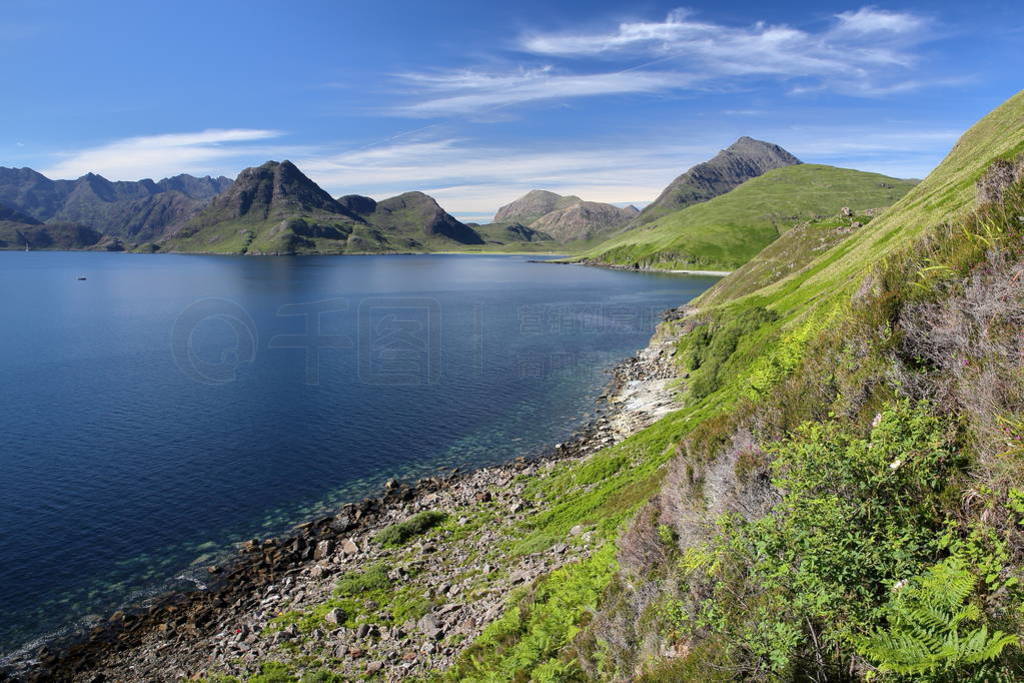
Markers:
point(132, 211)
point(718, 214)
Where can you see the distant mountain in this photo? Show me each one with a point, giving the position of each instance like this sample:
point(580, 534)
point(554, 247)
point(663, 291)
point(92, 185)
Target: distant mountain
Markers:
point(584, 220)
point(414, 216)
point(273, 190)
point(742, 160)
point(532, 206)
point(276, 209)
point(137, 211)
point(564, 218)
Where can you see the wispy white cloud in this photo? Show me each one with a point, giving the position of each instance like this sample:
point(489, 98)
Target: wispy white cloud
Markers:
point(468, 91)
point(155, 156)
point(868, 52)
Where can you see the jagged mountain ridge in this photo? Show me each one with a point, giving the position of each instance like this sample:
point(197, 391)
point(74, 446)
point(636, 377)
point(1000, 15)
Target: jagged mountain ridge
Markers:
point(134, 210)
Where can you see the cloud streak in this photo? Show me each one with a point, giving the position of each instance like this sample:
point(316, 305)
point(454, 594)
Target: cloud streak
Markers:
point(868, 53)
point(474, 91)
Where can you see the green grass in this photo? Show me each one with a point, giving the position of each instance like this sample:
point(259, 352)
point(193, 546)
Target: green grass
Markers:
point(727, 231)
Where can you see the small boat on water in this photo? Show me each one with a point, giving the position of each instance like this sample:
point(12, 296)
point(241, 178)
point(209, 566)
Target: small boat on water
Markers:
point(81, 277)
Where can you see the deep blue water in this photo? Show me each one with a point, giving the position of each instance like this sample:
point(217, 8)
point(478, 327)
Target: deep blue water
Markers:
point(169, 406)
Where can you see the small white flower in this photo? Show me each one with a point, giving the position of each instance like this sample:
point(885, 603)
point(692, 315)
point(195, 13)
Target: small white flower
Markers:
point(895, 464)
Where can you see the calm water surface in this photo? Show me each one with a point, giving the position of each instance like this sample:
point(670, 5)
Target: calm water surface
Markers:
point(168, 406)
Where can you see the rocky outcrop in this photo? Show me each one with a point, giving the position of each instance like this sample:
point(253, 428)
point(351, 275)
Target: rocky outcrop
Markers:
point(742, 160)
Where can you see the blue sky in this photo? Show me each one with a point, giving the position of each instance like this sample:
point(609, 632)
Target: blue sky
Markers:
point(476, 102)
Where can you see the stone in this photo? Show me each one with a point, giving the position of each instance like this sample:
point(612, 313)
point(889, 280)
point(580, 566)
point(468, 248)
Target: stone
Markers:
point(349, 547)
point(335, 616)
point(323, 549)
point(845, 212)
point(374, 667)
point(576, 530)
point(429, 626)
point(483, 496)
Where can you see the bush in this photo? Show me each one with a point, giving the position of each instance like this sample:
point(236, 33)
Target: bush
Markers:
point(401, 533)
point(713, 344)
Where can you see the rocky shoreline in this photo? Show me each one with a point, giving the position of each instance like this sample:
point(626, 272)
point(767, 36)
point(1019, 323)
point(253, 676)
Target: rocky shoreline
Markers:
point(453, 578)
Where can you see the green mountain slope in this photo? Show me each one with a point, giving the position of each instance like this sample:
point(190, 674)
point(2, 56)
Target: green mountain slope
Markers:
point(840, 494)
point(725, 232)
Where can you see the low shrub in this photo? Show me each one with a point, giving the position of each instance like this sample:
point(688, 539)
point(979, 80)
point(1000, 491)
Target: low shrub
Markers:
point(401, 533)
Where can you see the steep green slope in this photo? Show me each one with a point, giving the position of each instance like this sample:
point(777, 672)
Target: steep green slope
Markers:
point(725, 232)
point(840, 496)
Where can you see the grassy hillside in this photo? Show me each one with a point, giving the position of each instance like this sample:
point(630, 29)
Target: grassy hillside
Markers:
point(727, 231)
point(841, 495)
